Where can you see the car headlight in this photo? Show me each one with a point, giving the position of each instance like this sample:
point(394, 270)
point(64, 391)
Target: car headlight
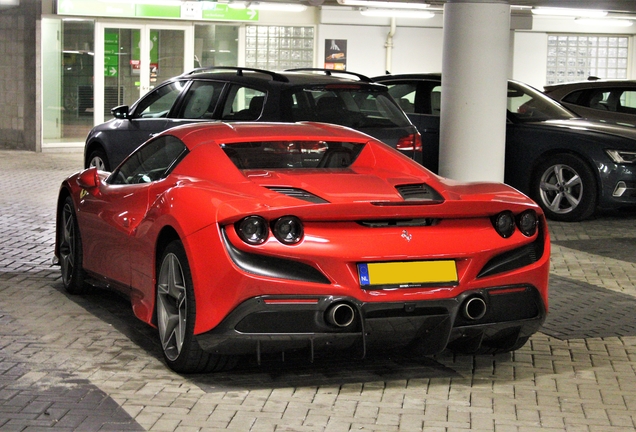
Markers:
point(527, 222)
point(252, 230)
point(288, 230)
point(504, 223)
point(622, 156)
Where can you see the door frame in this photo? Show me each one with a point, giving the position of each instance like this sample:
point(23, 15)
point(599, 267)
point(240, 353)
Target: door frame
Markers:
point(144, 72)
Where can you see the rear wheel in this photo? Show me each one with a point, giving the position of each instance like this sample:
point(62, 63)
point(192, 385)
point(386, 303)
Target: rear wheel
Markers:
point(176, 314)
point(565, 187)
point(70, 250)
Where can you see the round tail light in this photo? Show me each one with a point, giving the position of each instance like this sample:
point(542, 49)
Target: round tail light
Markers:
point(288, 230)
point(527, 222)
point(252, 230)
point(504, 224)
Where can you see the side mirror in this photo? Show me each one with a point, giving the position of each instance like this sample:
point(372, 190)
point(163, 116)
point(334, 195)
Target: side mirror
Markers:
point(120, 112)
point(88, 179)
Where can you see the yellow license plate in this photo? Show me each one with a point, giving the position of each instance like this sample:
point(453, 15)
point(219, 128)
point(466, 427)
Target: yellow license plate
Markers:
point(408, 273)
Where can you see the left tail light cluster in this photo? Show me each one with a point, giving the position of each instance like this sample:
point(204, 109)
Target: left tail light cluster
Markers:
point(505, 223)
point(255, 230)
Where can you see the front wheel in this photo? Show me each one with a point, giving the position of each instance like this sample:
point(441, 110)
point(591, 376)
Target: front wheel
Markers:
point(176, 314)
point(565, 187)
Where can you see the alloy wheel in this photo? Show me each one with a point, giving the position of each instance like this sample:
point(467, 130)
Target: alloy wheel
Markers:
point(561, 189)
point(67, 244)
point(171, 306)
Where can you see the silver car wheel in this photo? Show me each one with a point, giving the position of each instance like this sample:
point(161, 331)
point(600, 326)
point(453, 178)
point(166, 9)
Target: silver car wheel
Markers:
point(67, 244)
point(171, 306)
point(561, 189)
point(98, 163)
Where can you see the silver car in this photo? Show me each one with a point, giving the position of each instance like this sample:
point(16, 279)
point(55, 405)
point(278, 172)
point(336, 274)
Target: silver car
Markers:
point(611, 101)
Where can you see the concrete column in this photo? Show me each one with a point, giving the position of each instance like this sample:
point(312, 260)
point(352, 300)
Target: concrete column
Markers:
point(475, 69)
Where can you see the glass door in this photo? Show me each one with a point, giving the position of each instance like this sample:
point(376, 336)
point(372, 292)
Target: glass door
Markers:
point(135, 58)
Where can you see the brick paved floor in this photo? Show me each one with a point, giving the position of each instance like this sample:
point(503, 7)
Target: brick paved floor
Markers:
point(84, 363)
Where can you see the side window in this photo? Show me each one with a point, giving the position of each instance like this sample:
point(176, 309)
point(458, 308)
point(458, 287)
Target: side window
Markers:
point(598, 100)
point(151, 162)
point(158, 103)
point(201, 99)
point(573, 97)
point(436, 100)
point(243, 103)
point(628, 101)
point(404, 95)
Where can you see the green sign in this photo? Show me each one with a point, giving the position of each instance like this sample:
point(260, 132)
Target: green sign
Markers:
point(154, 45)
point(157, 11)
point(111, 53)
point(204, 10)
point(215, 11)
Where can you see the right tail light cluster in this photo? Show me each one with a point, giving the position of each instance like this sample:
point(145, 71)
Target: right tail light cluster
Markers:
point(505, 223)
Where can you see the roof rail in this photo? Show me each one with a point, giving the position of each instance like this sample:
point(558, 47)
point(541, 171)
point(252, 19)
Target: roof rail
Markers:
point(331, 71)
point(239, 71)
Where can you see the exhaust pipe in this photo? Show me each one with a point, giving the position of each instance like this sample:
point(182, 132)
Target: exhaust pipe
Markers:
point(340, 315)
point(474, 308)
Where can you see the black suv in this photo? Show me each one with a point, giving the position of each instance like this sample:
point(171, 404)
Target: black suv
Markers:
point(245, 94)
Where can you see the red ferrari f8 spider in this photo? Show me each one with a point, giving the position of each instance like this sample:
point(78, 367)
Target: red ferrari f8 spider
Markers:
point(251, 238)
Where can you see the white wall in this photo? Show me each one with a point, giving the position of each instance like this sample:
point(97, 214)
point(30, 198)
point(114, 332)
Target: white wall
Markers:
point(365, 47)
point(417, 44)
point(414, 49)
point(529, 63)
point(417, 50)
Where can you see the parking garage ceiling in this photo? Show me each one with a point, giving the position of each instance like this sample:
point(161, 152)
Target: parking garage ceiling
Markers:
point(621, 6)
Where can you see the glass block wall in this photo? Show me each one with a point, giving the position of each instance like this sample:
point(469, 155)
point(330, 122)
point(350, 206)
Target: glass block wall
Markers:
point(279, 47)
point(576, 57)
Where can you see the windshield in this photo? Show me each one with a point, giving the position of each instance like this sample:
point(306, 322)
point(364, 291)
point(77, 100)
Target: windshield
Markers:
point(292, 154)
point(526, 104)
point(353, 106)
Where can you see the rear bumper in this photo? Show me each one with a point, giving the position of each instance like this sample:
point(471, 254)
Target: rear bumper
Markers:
point(278, 323)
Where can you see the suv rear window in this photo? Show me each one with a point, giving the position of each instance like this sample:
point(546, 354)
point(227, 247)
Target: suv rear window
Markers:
point(347, 105)
point(292, 154)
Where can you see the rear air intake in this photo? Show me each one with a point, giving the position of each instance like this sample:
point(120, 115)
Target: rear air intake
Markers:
point(298, 193)
point(418, 192)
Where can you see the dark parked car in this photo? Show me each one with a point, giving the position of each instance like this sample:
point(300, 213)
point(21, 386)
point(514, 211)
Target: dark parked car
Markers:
point(243, 94)
point(570, 166)
point(612, 101)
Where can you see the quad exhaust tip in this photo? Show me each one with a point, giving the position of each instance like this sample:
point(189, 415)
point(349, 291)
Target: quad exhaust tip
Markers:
point(340, 315)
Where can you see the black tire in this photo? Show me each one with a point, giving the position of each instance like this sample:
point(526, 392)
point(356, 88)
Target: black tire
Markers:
point(565, 188)
point(70, 250)
point(97, 158)
point(176, 314)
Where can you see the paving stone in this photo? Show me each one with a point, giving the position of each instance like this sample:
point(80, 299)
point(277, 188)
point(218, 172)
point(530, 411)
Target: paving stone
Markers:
point(83, 363)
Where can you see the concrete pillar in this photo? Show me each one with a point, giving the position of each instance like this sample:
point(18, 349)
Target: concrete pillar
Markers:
point(475, 69)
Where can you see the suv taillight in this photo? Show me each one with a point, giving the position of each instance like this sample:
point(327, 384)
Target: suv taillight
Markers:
point(410, 143)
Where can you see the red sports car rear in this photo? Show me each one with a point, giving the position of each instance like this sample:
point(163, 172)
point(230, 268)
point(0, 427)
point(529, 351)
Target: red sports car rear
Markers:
point(251, 238)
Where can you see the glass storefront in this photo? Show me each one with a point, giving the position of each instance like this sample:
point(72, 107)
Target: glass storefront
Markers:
point(122, 62)
point(67, 79)
point(215, 45)
point(74, 99)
